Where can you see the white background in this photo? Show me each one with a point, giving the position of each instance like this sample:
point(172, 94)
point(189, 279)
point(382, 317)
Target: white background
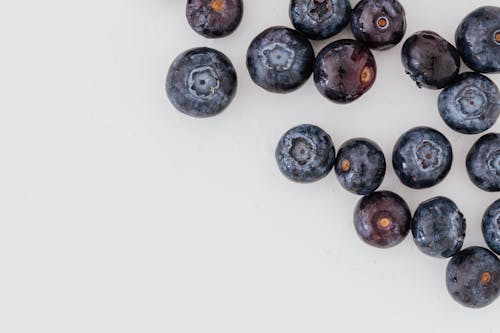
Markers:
point(120, 214)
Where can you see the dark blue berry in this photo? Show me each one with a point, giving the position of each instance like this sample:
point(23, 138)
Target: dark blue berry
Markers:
point(483, 162)
point(478, 39)
point(360, 166)
point(430, 60)
point(201, 82)
point(473, 277)
point(214, 18)
point(422, 157)
point(379, 24)
point(280, 59)
point(470, 105)
point(491, 226)
point(382, 219)
point(320, 19)
point(305, 154)
point(344, 70)
point(438, 227)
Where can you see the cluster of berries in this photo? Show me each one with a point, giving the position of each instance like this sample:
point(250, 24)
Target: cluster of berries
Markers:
point(202, 82)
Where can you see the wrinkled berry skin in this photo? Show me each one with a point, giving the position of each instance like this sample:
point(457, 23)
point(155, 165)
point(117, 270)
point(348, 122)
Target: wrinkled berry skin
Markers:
point(483, 162)
point(430, 60)
point(214, 18)
point(491, 226)
point(360, 166)
point(280, 60)
point(344, 70)
point(320, 19)
point(478, 39)
point(305, 154)
point(438, 227)
point(422, 157)
point(470, 105)
point(379, 24)
point(201, 82)
point(382, 219)
point(473, 277)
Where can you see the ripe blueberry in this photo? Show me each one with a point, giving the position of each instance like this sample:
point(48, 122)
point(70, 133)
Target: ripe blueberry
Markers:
point(491, 226)
point(438, 227)
point(379, 24)
point(471, 105)
point(360, 166)
point(320, 19)
point(305, 154)
point(280, 59)
point(201, 82)
point(483, 162)
point(422, 157)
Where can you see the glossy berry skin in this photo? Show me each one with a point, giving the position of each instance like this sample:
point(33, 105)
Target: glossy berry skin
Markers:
point(438, 227)
point(478, 39)
point(382, 219)
point(422, 157)
point(360, 166)
point(201, 82)
point(473, 277)
point(483, 162)
point(320, 19)
point(491, 226)
point(305, 154)
point(344, 71)
point(379, 24)
point(470, 105)
point(280, 60)
point(214, 18)
point(430, 60)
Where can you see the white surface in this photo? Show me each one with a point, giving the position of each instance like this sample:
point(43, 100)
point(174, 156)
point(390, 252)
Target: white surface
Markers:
point(119, 214)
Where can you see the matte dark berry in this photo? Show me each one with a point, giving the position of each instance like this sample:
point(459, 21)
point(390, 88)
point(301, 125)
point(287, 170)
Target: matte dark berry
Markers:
point(201, 82)
point(379, 24)
point(280, 59)
point(478, 39)
point(471, 105)
point(473, 277)
point(360, 166)
point(430, 60)
point(305, 154)
point(344, 70)
point(438, 227)
point(320, 19)
point(382, 219)
point(214, 18)
point(422, 157)
point(491, 226)
point(483, 162)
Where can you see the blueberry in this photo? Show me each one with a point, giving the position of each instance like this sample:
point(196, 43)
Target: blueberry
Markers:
point(344, 70)
point(305, 154)
point(430, 60)
point(473, 277)
point(379, 24)
point(382, 219)
point(422, 157)
point(280, 59)
point(483, 162)
point(478, 39)
point(470, 105)
point(491, 226)
point(360, 166)
point(320, 19)
point(201, 82)
point(438, 227)
point(214, 18)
